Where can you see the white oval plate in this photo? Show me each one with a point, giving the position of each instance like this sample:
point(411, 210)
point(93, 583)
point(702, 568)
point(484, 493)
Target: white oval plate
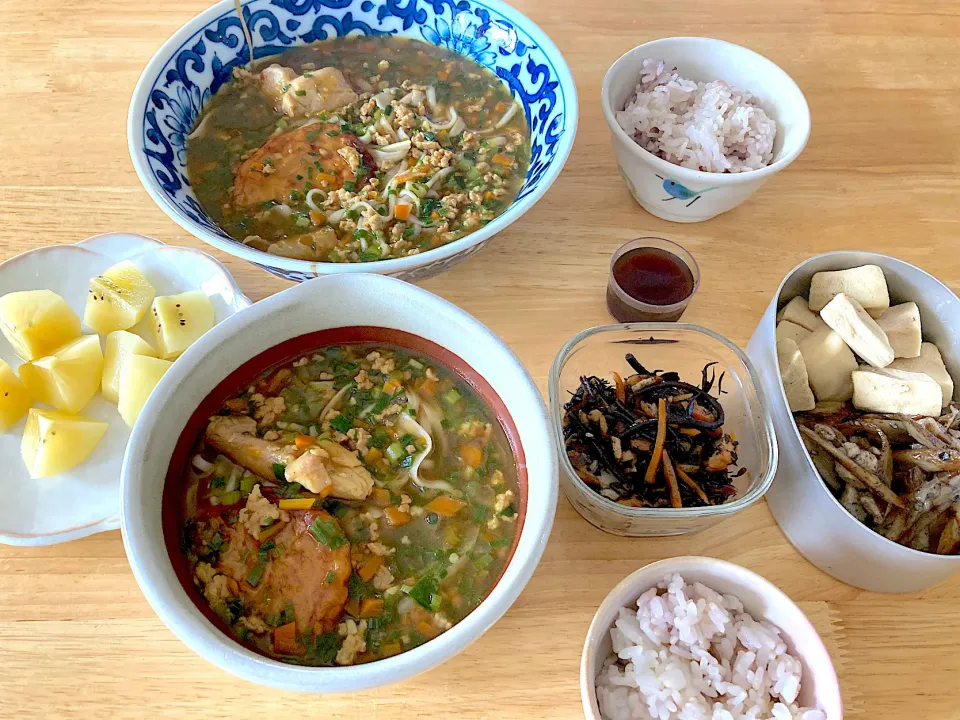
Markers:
point(86, 500)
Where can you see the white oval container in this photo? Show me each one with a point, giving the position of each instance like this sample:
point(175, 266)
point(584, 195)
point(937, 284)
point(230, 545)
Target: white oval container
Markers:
point(819, 686)
point(809, 515)
point(680, 194)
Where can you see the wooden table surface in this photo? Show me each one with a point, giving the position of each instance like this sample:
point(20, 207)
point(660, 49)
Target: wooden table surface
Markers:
point(880, 173)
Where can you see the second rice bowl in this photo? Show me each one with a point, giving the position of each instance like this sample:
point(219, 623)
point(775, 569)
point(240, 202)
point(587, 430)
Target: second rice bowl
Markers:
point(819, 687)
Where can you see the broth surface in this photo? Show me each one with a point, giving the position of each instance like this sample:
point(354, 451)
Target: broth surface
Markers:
point(349, 506)
point(358, 149)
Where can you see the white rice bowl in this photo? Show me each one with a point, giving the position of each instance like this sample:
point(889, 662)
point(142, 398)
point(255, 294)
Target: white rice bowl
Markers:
point(689, 653)
point(711, 127)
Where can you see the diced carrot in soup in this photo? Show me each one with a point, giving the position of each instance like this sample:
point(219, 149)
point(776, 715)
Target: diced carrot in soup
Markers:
point(397, 517)
point(391, 386)
point(370, 567)
point(445, 506)
point(471, 455)
point(371, 607)
point(296, 503)
point(285, 640)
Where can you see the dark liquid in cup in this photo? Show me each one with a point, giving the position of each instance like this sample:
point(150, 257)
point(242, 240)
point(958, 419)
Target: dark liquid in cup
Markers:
point(652, 276)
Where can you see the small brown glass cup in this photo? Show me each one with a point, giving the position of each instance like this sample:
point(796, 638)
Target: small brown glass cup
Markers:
point(625, 308)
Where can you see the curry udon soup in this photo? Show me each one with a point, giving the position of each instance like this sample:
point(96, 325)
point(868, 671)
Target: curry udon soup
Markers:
point(358, 149)
point(348, 506)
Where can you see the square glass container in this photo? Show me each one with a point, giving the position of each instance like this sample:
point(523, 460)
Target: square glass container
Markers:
point(684, 349)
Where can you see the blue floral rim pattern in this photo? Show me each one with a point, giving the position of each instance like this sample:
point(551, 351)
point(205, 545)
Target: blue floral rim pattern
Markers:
point(205, 61)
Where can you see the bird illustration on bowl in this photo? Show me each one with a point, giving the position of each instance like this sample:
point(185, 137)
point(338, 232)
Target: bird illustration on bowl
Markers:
point(678, 191)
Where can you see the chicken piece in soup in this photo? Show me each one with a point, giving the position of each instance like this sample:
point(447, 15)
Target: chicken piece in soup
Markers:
point(349, 506)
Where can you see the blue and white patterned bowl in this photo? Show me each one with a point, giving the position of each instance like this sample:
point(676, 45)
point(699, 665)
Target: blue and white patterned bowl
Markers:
point(193, 64)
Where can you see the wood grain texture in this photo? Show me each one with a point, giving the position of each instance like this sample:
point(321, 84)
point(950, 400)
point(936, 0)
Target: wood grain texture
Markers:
point(77, 640)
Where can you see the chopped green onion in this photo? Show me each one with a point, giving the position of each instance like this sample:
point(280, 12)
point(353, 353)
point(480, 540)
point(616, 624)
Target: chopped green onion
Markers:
point(481, 513)
point(230, 498)
point(327, 533)
point(396, 452)
point(425, 590)
point(483, 561)
point(501, 542)
point(357, 589)
point(379, 439)
point(299, 93)
point(246, 483)
point(350, 186)
point(289, 613)
point(451, 396)
point(341, 423)
point(375, 623)
point(331, 576)
point(290, 490)
point(255, 575)
point(324, 649)
point(280, 472)
point(216, 542)
point(218, 482)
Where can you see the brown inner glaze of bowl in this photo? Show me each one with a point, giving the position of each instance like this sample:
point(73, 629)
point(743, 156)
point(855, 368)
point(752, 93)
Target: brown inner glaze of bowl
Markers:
point(286, 352)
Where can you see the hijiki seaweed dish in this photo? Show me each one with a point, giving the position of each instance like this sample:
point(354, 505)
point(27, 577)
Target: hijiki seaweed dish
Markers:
point(652, 439)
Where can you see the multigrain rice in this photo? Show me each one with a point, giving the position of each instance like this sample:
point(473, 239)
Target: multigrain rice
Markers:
point(713, 127)
point(689, 653)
